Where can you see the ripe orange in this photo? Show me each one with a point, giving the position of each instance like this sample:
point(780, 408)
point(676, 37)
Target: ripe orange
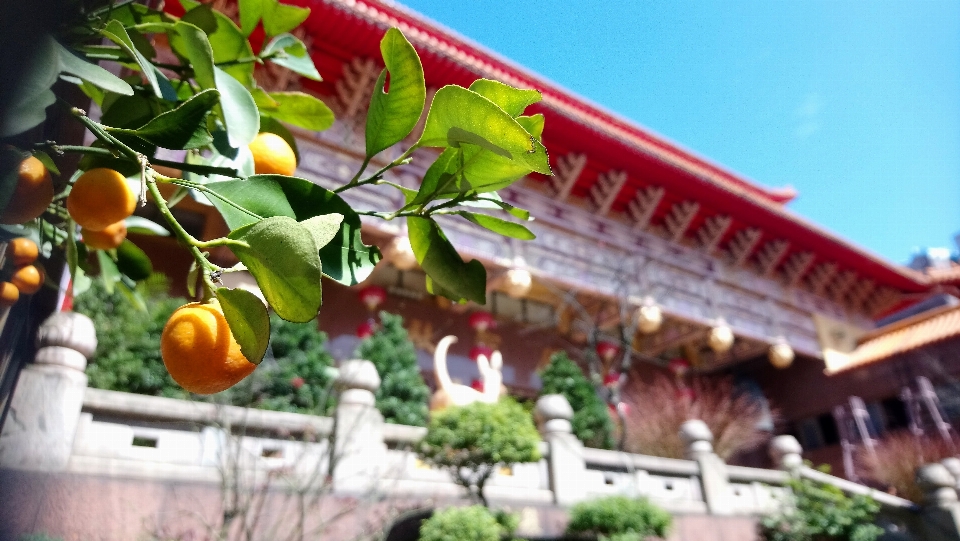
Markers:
point(9, 294)
point(111, 237)
point(28, 279)
point(199, 350)
point(22, 251)
point(33, 193)
point(272, 155)
point(100, 197)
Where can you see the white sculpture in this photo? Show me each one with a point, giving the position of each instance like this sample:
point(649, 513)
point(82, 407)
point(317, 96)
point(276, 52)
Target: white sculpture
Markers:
point(454, 394)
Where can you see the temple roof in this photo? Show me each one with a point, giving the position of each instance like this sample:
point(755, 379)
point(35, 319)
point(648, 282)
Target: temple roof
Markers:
point(620, 170)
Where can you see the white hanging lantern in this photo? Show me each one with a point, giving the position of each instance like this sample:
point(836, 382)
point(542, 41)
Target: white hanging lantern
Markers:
point(399, 252)
point(517, 282)
point(649, 318)
point(781, 355)
point(720, 338)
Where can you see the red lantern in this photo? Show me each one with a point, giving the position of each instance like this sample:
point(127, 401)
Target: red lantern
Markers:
point(679, 367)
point(373, 296)
point(367, 328)
point(607, 350)
point(619, 406)
point(476, 385)
point(478, 350)
point(297, 382)
point(612, 379)
point(481, 321)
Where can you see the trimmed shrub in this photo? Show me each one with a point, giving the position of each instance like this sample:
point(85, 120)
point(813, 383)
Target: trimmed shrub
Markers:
point(591, 420)
point(618, 518)
point(822, 512)
point(474, 523)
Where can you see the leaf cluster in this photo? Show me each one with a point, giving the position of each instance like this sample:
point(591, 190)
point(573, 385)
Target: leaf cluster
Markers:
point(402, 396)
point(474, 523)
point(619, 518)
point(822, 512)
point(197, 94)
point(591, 420)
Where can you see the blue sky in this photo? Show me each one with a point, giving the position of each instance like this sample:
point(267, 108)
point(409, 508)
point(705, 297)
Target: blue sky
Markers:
point(854, 103)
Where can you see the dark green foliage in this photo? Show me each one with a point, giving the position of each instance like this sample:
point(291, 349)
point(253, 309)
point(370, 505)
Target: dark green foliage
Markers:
point(591, 420)
point(403, 395)
point(472, 441)
point(473, 523)
point(128, 339)
point(822, 512)
point(618, 518)
point(298, 379)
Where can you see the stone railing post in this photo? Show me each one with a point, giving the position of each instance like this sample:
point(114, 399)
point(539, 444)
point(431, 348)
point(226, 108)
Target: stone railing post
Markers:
point(359, 451)
point(45, 407)
point(787, 454)
point(714, 480)
point(941, 508)
point(953, 466)
point(566, 464)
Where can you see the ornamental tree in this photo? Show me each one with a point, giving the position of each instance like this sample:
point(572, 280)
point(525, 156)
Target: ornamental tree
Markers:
point(403, 396)
point(186, 84)
point(472, 442)
point(591, 421)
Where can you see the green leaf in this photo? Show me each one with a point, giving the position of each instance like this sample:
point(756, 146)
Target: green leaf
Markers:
point(495, 202)
point(440, 260)
point(533, 124)
point(27, 104)
point(346, 258)
point(458, 116)
point(393, 115)
point(142, 226)
point(250, 13)
point(441, 177)
point(202, 17)
point(272, 125)
point(196, 47)
point(512, 100)
point(183, 127)
point(229, 45)
point(240, 113)
point(91, 73)
point(257, 197)
point(132, 262)
point(288, 51)
point(279, 18)
point(115, 32)
point(499, 225)
point(301, 110)
point(108, 271)
point(248, 320)
point(324, 228)
point(281, 255)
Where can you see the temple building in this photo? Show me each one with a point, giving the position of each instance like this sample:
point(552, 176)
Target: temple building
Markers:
point(628, 220)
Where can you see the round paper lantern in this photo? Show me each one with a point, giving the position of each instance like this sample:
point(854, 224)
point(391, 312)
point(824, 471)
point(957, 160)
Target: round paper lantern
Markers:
point(366, 329)
point(476, 385)
point(399, 252)
point(781, 354)
point(297, 382)
point(481, 321)
point(679, 367)
point(649, 319)
point(607, 350)
point(720, 338)
point(517, 283)
point(478, 350)
point(373, 296)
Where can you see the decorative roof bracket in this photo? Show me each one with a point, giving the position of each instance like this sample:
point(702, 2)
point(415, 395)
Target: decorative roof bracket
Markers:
point(644, 205)
point(712, 231)
point(679, 219)
point(568, 170)
point(605, 190)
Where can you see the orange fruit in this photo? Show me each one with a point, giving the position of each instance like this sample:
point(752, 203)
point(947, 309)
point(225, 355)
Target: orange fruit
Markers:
point(22, 251)
point(27, 279)
point(100, 198)
point(9, 294)
point(199, 350)
point(33, 193)
point(272, 155)
point(111, 237)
